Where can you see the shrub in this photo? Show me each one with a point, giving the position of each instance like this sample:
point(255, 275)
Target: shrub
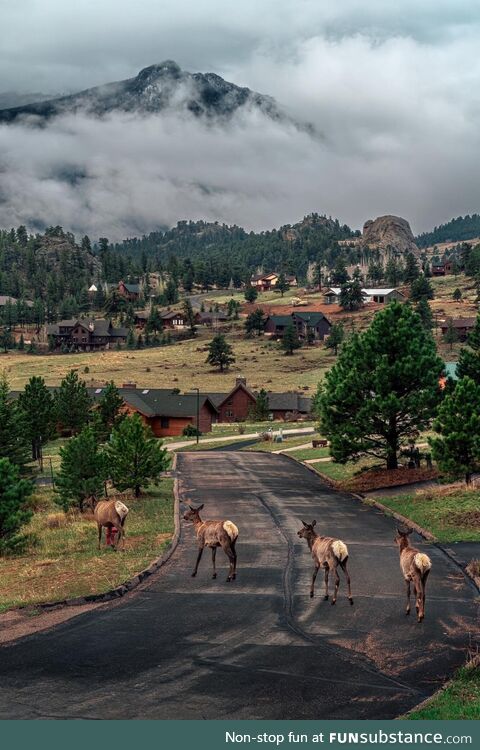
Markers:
point(191, 431)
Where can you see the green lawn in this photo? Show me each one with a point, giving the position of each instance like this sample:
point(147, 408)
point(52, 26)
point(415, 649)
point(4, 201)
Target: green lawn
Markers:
point(452, 516)
point(62, 560)
point(461, 700)
point(305, 454)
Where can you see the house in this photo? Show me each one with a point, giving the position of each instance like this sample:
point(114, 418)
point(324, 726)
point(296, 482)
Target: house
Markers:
point(307, 323)
point(380, 296)
point(442, 269)
point(237, 405)
point(131, 292)
point(86, 334)
point(463, 326)
point(167, 412)
point(211, 319)
point(140, 318)
point(267, 281)
point(173, 319)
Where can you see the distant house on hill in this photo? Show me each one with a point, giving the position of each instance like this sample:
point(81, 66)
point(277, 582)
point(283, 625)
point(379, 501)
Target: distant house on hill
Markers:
point(442, 269)
point(380, 296)
point(267, 281)
point(307, 323)
point(210, 318)
point(131, 292)
point(463, 326)
point(173, 319)
point(86, 334)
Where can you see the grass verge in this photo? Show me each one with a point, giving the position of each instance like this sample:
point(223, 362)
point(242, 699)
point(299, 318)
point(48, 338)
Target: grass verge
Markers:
point(460, 700)
point(63, 562)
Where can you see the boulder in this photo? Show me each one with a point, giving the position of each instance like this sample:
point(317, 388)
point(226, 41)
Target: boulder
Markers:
point(390, 231)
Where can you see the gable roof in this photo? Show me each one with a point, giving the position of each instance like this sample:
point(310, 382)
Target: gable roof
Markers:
point(132, 288)
point(313, 318)
point(289, 402)
point(162, 402)
point(280, 320)
point(170, 314)
point(459, 323)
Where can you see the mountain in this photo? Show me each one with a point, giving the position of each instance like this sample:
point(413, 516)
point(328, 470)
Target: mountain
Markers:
point(389, 231)
point(457, 230)
point(10, 99)
point(159, 88)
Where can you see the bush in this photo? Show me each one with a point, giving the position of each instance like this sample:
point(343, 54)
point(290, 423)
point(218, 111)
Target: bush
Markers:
point(191, 431)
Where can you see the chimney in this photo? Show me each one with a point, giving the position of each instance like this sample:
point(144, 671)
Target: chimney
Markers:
point(130, 386)
point(241, 381)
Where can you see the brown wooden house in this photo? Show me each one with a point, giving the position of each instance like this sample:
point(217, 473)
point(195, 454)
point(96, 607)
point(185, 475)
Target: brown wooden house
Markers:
point(463, 326)
point(167, 412)
point(86, 334)
point(131, 292)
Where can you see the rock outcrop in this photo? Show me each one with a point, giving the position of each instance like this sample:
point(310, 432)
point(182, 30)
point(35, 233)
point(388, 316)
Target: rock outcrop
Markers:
point(389, 232)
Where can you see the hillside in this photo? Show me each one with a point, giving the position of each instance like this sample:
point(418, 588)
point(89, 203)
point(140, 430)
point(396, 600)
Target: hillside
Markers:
point(457, 230)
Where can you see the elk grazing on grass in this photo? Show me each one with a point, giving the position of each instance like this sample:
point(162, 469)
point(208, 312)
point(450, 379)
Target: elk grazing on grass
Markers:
point(327, 553)
point(110, 514)
point(415, 567)
point(214, 534)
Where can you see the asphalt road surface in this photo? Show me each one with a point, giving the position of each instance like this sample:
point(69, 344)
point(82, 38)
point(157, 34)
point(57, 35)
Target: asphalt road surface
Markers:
point(258, 647)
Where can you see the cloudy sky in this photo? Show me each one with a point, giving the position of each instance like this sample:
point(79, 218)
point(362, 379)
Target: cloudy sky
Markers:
point(393, 88)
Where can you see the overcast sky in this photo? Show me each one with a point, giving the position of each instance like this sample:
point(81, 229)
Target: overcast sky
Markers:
point(392, 87)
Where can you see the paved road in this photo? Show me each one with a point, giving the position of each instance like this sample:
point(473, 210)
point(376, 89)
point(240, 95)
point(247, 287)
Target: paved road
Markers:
point(259, 647)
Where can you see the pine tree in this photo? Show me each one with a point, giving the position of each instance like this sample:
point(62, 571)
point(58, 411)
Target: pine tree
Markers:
point(37, 406)
point(383, 388)
point(82, 471)
point(255, 323)
point(469, 358)
point(457, 295)
point(109, 407)
point(457, 451)
point(421, 288)
point(339, 274)
point(135, 457)
point(351, 296)
point(131, 339)
point(261, 410)
point(220, 353)
point(189, 316)
point(451, 334)
point(13, 438)
point(335, 337)
point(251, 294)
point(21, 343)
point(72, 403)
point(282, 284)
point(15, 510)
point(290, 340)
point(411, 269)
point(422, 308)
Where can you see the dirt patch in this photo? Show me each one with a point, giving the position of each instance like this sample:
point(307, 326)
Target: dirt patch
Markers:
point(377, 479)
point(19, 623)
point(466, 518)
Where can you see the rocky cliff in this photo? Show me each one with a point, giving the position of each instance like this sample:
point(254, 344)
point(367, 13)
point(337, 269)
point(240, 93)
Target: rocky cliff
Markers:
point(389, 232)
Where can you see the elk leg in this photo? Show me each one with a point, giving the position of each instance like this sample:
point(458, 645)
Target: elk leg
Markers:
point(116, 544)
point(424, 582)
point(327, 571)
point(231, 558)
point(347, 576)
point(407, 582)
point(214, 553)
point(199, 557)
point(419, 600)
point(337, 584)
point(99, 535)
point(234, 559)
point(314, 575)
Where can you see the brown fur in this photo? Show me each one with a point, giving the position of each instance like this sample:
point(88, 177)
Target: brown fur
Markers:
point(324, 556)
point(107, 515)
point(214, 534)
point(414, 569)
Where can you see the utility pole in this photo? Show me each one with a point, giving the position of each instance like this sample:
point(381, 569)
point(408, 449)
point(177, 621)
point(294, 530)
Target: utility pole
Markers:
point(198, 413)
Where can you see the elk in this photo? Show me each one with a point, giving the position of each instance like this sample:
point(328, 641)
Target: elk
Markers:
point(111, 514)
point(214, 534)
point(328, 553)
point(415, 567)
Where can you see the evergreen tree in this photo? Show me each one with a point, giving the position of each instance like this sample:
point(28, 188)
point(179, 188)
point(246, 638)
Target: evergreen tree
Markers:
point(13, 439)
point(189, 316)
point(383, 388)
point(15, 510)
point(335, 337)
point(37, 406)
point(451, 334)
point(457, 450)
point(469, 358)
point(290, 340)
point(261, 410)
point(82, 471)
point(393, 273)
point(251, 294)
point(21, 343)
point(136, 457)
point(109, 407)
point(421, 288)
point(411, 269)
point(130, 339)
point(220, 353)
point(457, 295)
point(422, 308)
point(351, 296)
point(282, 284)
point(72, 403)
point(339, 274)
point(255, 323)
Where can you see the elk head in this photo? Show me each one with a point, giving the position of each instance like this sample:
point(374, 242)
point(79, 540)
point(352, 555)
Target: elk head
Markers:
point(193, 514)
point(306, 532)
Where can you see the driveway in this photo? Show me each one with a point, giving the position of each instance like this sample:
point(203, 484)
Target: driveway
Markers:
point(257, 648)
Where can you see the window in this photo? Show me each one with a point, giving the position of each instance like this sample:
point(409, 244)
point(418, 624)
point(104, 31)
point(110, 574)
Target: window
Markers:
point(229, 413)
point(164, 422)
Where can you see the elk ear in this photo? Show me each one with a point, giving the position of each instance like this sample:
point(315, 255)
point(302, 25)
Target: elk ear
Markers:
point(313, 523)
point(200, 506)
point(305, 524)
point(191, 507)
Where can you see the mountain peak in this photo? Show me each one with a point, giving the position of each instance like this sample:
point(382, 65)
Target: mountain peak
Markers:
point(167, 67)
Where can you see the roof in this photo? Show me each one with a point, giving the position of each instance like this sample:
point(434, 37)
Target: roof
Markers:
point(451, 370)
point(289, 402)
point(161, 402)
point(280, 320)
point(172, 314)
point(384, 292)
point(97, 327)
point(459, 323)
point(313, 317)
point(212, 315)
point(132, 288)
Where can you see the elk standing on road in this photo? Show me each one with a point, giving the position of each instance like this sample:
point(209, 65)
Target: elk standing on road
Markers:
point(327, 553)
point(415, 567)
point(214, 534)
point(111, 514)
